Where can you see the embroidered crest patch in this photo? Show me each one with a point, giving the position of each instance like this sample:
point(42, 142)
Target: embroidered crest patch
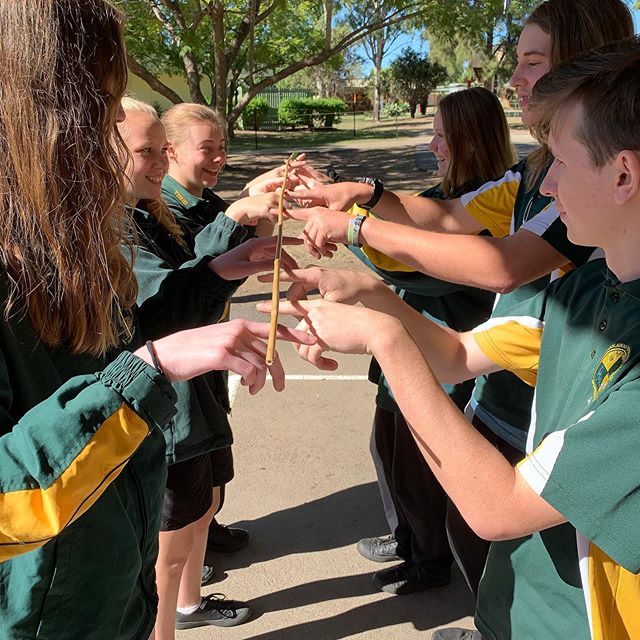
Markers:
point(183, 201)
point(609, 365)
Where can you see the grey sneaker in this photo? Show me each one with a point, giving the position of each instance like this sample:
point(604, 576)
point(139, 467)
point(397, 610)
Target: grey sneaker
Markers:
point(214, 610)
point(408, 578)
point(455, 633)
point(380, 549)
point(207, 575)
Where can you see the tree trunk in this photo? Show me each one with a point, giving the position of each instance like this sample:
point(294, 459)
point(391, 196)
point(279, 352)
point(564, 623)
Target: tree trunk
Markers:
point(193, 79)
point(377, 46)
point(221, 70)
point(136, 68)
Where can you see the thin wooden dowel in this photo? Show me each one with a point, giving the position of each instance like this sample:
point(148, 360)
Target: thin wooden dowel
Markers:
point(275, 290)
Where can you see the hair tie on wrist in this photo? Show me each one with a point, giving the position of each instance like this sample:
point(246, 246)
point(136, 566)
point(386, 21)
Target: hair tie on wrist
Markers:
point(154, 357)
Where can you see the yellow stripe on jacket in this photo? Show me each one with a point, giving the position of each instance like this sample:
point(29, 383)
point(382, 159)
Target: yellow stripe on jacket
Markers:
point(31, 517)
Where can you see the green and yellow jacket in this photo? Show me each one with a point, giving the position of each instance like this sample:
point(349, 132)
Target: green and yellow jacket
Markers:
point(82, 474)
point(200, 423)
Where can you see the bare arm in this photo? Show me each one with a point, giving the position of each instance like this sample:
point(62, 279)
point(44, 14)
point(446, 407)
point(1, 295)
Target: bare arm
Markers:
point(444, 216)
point(494, 264)
point(491, 495)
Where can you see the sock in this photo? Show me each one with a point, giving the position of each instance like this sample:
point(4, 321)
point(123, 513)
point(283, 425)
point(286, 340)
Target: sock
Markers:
point(187, 610)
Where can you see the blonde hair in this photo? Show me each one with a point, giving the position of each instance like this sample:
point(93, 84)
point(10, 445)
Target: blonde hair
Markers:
point(157, 208)
point(576, 27)
point(178, 118)
point(62, 217)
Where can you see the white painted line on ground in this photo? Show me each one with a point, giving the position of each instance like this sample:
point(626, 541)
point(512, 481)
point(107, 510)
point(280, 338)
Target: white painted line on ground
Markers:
point(234, 381)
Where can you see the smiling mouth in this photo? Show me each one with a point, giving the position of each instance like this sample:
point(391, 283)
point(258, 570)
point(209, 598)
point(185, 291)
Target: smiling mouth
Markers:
point(154, 179)
point(210, 172)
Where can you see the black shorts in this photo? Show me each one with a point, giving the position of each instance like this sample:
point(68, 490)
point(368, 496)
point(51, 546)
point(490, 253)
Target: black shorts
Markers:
point(188, 494)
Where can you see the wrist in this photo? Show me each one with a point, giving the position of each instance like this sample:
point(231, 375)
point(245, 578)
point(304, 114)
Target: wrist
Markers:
point(375, 191)
point(236, 214)
point(387, 338)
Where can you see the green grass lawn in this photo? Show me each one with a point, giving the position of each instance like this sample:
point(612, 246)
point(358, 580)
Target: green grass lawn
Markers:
point(343, 132)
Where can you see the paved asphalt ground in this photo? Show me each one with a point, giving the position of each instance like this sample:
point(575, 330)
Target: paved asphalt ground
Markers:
point(305, 485)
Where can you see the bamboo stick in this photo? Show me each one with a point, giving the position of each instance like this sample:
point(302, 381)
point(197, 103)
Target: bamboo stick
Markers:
point(275, 290)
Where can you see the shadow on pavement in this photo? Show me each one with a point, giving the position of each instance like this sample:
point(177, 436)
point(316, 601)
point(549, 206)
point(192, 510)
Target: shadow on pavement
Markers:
point(334, 521)
point(424, 610)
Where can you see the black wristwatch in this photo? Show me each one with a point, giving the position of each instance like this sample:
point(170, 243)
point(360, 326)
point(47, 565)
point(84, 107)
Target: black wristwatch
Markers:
point(378, 190)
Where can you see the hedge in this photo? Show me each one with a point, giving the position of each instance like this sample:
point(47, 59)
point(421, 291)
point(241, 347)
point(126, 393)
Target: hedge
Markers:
point(310, 112)
point(254, 113)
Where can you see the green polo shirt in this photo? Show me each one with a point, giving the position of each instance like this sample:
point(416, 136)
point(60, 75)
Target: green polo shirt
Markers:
point(501, 400)
point(578, 342)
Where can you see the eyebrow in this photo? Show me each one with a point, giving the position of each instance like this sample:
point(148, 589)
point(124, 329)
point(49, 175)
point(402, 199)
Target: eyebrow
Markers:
point(534, 53)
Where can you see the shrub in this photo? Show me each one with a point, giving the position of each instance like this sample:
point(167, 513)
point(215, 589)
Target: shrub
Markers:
point(310, 112)
point(255, 113)
point(396, 109)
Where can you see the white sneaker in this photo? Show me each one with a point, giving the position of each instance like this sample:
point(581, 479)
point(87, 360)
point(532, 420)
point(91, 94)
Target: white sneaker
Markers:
point(454, 633)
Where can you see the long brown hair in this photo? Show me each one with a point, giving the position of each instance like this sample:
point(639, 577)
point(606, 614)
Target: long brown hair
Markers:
point(478, 138)
point(157, 208)
point(62, 218)
point(575, 27)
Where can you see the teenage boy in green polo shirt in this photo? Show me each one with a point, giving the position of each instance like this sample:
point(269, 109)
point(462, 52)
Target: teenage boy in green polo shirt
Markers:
point(567, 561)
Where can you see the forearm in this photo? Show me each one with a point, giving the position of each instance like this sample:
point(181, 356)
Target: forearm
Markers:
point(443, 216)
point(494, 264)
point(442, 347)
point(479, 480)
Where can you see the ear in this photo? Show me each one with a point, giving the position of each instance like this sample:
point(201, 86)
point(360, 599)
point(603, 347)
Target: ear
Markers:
point(172, 153)
point(627, 165)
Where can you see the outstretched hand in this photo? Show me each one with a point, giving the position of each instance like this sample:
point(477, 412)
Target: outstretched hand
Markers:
point(337, 327)
point(248, 211)
point(338, 196)
point(335, 285)
point(324, 227)
point(253, 256)
point(236, 346)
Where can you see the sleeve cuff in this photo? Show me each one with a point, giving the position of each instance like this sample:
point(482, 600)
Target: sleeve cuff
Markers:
point(146, 390)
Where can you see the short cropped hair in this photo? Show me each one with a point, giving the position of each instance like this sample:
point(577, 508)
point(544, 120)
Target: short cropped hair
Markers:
point(606, 83)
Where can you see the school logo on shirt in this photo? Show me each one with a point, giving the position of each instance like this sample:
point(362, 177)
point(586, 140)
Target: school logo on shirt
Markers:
point(181, 199)
point(609, 366)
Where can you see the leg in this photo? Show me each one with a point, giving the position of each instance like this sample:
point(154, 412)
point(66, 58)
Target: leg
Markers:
point(223, 539)
point(187, 499)
point(189, 592)
point(385, 492)
point(174, 550)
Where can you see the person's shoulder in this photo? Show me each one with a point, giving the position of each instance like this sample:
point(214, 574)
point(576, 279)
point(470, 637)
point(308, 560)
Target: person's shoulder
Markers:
point(214, 200)
point(583, 281)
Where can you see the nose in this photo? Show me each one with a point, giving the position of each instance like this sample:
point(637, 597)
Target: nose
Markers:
point(433, 145)
point(517, 79)
point(549, 186)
